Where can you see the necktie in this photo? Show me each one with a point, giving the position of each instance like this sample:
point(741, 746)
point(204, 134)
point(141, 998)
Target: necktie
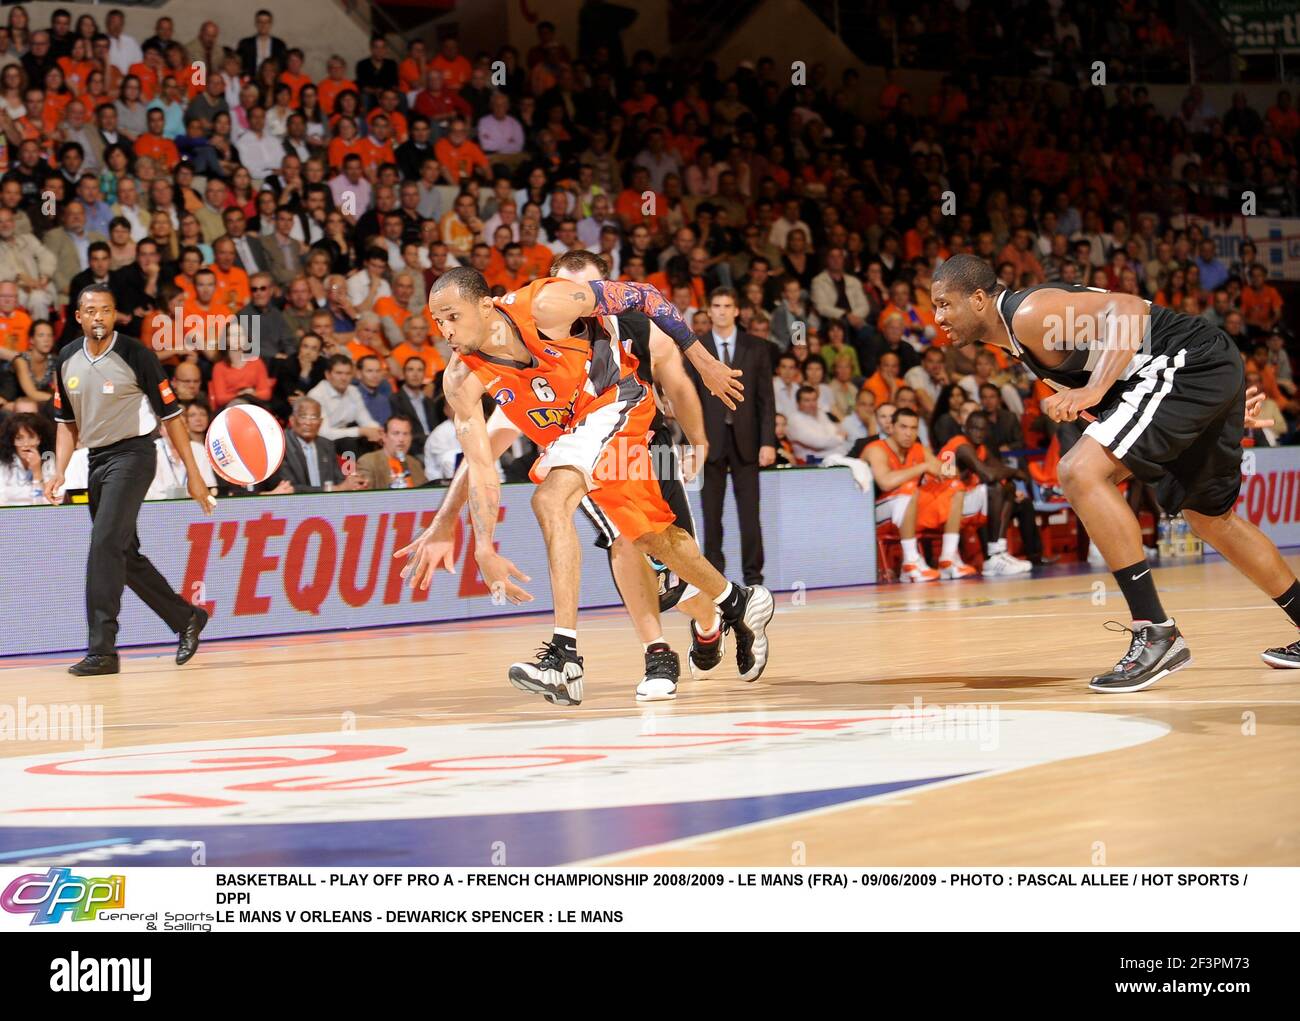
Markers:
point(726, 360)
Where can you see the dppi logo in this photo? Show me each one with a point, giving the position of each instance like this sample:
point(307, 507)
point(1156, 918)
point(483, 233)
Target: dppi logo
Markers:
point(504, 396)
point(47, 898)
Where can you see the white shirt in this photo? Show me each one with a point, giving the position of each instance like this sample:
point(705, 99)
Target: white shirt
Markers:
point(170, 479)
point(339, 409)
point(918, 379)
point(359, 287)
point(814, 435)
point(261, 154)
point(441, 450)
point(123, 52)
point(786, 403)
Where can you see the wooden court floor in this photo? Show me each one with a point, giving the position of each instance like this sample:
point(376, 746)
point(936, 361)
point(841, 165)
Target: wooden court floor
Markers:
point(1201, 770)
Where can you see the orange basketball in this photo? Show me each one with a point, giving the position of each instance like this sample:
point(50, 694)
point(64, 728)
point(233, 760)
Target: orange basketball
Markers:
point(245, 444)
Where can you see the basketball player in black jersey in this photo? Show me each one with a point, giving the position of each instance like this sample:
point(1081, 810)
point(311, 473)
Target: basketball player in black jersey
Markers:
point(1165, 398)
point(641, 579)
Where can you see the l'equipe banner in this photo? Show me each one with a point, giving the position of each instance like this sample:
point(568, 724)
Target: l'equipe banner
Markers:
point(317, 562)
point(1270, 492)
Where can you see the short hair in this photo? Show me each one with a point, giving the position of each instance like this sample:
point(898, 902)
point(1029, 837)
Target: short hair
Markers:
point(577, 261)
point(908, 412)
point(399, 418)
point(967, 274)
point(723, 292)
point(805, 390)
point(95, 289)
point(99, 246)
point(414, 358)
point(367, 358)
point(335, 360)
point(467, 280)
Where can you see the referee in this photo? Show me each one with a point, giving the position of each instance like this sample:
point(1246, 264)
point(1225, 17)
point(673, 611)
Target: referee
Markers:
point(110, 393)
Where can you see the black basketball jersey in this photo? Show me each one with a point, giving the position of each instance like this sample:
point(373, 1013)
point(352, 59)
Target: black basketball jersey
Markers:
point(1168, 332)
point(634, 334)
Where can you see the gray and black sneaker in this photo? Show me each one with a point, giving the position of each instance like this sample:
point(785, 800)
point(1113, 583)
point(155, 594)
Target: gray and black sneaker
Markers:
point(1154, 651)
point(555, 675)
point(750, 628)
point(1286, 657)
point(705, 656)
point(662, 668)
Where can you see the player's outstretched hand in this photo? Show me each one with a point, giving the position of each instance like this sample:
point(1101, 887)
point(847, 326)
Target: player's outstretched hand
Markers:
point(433, 548)
point(497, 572)
point(1255, 398)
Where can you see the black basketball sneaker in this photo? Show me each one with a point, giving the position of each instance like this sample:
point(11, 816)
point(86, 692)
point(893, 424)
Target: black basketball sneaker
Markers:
point(1286, 657)
point(705, 656)
point(1154, 651)
point(555, 675)
point(662, 668)
point(750, 628)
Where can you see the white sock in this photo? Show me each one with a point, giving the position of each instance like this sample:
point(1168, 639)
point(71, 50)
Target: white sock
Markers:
point(723, 597)
point(950, 541)
point(712, 629)
point(657, 641)
point(911, 554)
point(567, 632)
point(997, 547)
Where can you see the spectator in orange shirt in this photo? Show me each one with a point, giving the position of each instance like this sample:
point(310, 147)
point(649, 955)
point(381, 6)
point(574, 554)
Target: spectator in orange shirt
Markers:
point(537, 257)
point(367, 339)
point(1261, 303)
point(395, 309)
point(389, 100)
point(205, 316)
point(1019, 252)
point(150, 71)
point(292, 74)
point(459, 157)
point(15, 323)
point(455, 68)
point(232, 282)
point(336, 81)
point(154, 144)
point(513, 273)
point(77, 66)
point(378, 149)
point(635, 198)
point(885, 382)
point(415, 344)
point(347, 142)
point(238, 374)
point(411, 72)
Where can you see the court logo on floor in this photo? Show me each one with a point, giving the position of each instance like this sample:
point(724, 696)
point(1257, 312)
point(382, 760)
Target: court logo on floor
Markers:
point(553, 791)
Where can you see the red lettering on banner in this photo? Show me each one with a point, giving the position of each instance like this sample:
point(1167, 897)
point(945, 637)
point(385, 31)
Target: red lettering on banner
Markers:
point(199, 535)
point(430, 765)
point(403, 533)
point(335, 754)
point(1274, 497)
point(1255, 499)
point(256, 563)
point(308, 599)
point(170, 801)
point(1287, 501)
point(354, 527)
point(294, 784)
point(471, 581)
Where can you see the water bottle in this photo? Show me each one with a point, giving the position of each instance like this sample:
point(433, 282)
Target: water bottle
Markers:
point(1162, 537)
point(1178, 536)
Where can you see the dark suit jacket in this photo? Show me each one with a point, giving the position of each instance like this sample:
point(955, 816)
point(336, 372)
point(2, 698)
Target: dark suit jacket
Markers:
point(402, 406)
point(294, 467)
point(261, 259)
point(128, 288)
point(248, 53)
point(754, 420)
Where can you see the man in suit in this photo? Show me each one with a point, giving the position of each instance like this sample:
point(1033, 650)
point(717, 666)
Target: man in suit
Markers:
point(255, 49)
point(411, 402)
point(740, 441)
point(138, 286)
point(250, 253)
point(311, 463)
point(393, 467)
point(70, 244)
point(97, 271)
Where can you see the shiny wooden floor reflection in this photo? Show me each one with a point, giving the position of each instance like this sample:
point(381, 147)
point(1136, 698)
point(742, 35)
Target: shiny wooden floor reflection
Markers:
point(1221, 787)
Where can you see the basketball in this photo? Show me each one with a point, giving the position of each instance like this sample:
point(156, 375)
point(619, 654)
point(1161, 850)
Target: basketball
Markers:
point(245, 444)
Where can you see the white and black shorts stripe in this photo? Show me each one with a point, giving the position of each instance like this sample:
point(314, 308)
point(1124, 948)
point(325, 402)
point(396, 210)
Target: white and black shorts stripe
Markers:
point(1176, 423)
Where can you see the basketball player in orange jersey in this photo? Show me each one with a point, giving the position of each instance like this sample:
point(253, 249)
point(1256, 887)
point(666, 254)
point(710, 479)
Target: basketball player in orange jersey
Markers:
point(590, 416)
point(989, 490)
point(1165, 397)
point(900, 464)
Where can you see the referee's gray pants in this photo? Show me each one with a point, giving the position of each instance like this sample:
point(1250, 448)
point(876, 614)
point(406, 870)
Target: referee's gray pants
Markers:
point(120, 476)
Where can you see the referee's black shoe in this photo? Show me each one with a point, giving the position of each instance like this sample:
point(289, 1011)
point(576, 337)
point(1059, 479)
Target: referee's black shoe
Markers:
point(189, 643)
point(94, 665)
point(1154, 651)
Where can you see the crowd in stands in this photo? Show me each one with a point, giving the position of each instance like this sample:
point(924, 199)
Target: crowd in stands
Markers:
point(272, 231)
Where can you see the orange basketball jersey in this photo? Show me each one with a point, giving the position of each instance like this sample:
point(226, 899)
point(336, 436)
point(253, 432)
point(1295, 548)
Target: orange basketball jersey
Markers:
point(566, 379)
point(915, 456)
